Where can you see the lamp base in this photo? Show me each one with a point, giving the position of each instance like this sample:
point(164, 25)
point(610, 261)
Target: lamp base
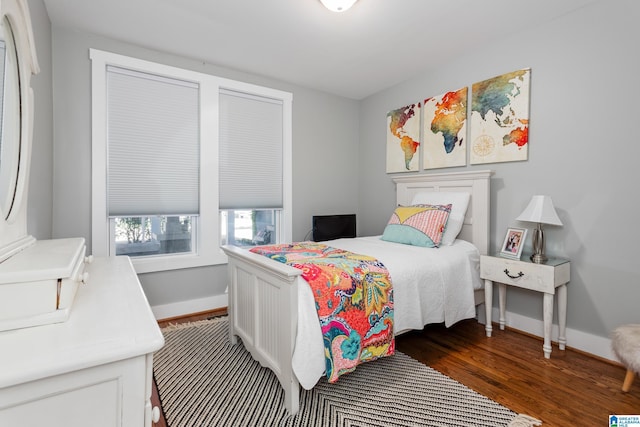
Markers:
point(538, 258)
point(538, 246)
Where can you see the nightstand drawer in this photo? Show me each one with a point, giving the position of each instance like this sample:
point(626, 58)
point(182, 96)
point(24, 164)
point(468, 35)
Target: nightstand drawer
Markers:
point(524, 274)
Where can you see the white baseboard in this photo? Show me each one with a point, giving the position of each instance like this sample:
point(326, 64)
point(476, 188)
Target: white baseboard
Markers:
point(184, 308)
point(588, 343)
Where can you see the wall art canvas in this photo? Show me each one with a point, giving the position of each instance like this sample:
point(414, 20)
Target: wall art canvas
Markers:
point(403, 136)
point(444, 134)
point(500, 118)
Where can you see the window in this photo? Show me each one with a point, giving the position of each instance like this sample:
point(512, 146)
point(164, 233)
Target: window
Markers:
point(251, 168)
point(153, 235)
point(158, 174)
point(249, 227)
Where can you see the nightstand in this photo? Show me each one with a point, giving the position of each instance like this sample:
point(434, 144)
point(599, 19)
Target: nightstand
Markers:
point(548, 278)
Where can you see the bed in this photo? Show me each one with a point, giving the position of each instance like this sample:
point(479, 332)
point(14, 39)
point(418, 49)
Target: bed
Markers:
point(268, 302)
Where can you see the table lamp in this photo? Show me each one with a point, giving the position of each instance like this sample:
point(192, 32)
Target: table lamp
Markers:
point(541, 211)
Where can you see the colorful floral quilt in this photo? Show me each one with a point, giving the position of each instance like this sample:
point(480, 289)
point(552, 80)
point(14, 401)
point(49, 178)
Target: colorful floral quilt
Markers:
point(354, 299)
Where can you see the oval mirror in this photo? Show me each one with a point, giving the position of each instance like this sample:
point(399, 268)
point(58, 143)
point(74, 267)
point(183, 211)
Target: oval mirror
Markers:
point(9, 119)
point(18, 63)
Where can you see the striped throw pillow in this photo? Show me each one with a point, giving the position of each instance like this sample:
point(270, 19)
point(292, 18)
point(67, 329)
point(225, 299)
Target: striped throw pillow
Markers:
point(418, 225)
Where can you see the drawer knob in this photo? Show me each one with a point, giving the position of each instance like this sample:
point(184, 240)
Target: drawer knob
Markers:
point(155, 414)
point(517, 276)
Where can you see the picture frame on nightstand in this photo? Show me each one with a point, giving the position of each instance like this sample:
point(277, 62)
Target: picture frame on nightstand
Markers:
point(513, 243)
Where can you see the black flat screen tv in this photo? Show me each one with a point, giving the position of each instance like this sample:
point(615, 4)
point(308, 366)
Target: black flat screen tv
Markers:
point(328, 227)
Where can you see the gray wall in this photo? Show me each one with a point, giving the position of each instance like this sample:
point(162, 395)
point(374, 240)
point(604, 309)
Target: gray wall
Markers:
point(40, 186)
point(323, 125)
point(583, 153)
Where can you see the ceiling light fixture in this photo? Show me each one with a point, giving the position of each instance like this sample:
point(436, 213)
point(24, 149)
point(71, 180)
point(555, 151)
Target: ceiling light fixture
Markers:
point(338, 5)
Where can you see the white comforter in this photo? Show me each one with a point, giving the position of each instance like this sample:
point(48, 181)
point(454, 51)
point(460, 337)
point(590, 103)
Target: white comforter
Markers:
point(429, 286)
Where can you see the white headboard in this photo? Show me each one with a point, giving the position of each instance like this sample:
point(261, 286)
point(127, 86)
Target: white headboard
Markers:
point(476, 183)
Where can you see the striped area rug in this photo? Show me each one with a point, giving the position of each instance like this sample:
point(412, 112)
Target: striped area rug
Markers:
point(204, 381)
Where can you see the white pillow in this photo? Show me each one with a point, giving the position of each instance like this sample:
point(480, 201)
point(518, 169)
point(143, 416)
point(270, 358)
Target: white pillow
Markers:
point(459, 202)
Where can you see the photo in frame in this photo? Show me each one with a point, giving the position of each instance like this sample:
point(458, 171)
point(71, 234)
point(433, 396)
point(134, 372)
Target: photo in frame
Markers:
point(513, 243)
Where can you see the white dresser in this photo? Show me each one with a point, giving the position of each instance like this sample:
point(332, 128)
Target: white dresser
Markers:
point(95, 369)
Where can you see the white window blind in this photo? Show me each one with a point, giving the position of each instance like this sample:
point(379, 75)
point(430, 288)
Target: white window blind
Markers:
point(251, 151)
point(153, 145)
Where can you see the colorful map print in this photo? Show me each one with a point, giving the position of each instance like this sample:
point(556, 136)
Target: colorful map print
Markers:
point(403, 134)
point(445, 130)
point(500, 118)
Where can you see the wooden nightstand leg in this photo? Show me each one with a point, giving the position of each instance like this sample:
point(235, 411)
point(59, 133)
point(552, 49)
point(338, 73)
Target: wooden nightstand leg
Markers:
point(548, 317)
point(488, 305)
point(628, 380)
point(502, 297)
point(562, 316)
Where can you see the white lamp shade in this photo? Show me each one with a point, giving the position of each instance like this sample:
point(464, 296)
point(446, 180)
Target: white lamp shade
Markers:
point(338, 5)
point(540, 210)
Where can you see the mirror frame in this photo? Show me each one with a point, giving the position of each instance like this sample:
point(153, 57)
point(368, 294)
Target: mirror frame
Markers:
point(10, 127)
point(13, 225)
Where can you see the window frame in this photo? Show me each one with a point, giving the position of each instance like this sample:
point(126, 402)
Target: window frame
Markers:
point(207, 238)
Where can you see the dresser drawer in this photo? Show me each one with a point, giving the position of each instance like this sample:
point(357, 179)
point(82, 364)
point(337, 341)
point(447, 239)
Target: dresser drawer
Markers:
point(38, 285)
point(524, 274)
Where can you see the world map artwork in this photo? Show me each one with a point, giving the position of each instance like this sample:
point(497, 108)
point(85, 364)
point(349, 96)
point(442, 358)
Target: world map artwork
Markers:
point(500, 118)
point(445, 130)
point(403, 134)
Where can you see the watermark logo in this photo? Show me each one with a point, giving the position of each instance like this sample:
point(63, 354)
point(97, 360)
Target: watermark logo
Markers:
point(624, 420)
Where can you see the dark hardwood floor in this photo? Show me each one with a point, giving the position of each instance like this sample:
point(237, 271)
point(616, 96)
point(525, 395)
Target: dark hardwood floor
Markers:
point(570, 389)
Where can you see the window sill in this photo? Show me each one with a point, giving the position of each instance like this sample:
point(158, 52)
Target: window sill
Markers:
point(176, 262)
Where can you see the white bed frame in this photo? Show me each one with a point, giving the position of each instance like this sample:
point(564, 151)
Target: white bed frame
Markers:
point(263, 295)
